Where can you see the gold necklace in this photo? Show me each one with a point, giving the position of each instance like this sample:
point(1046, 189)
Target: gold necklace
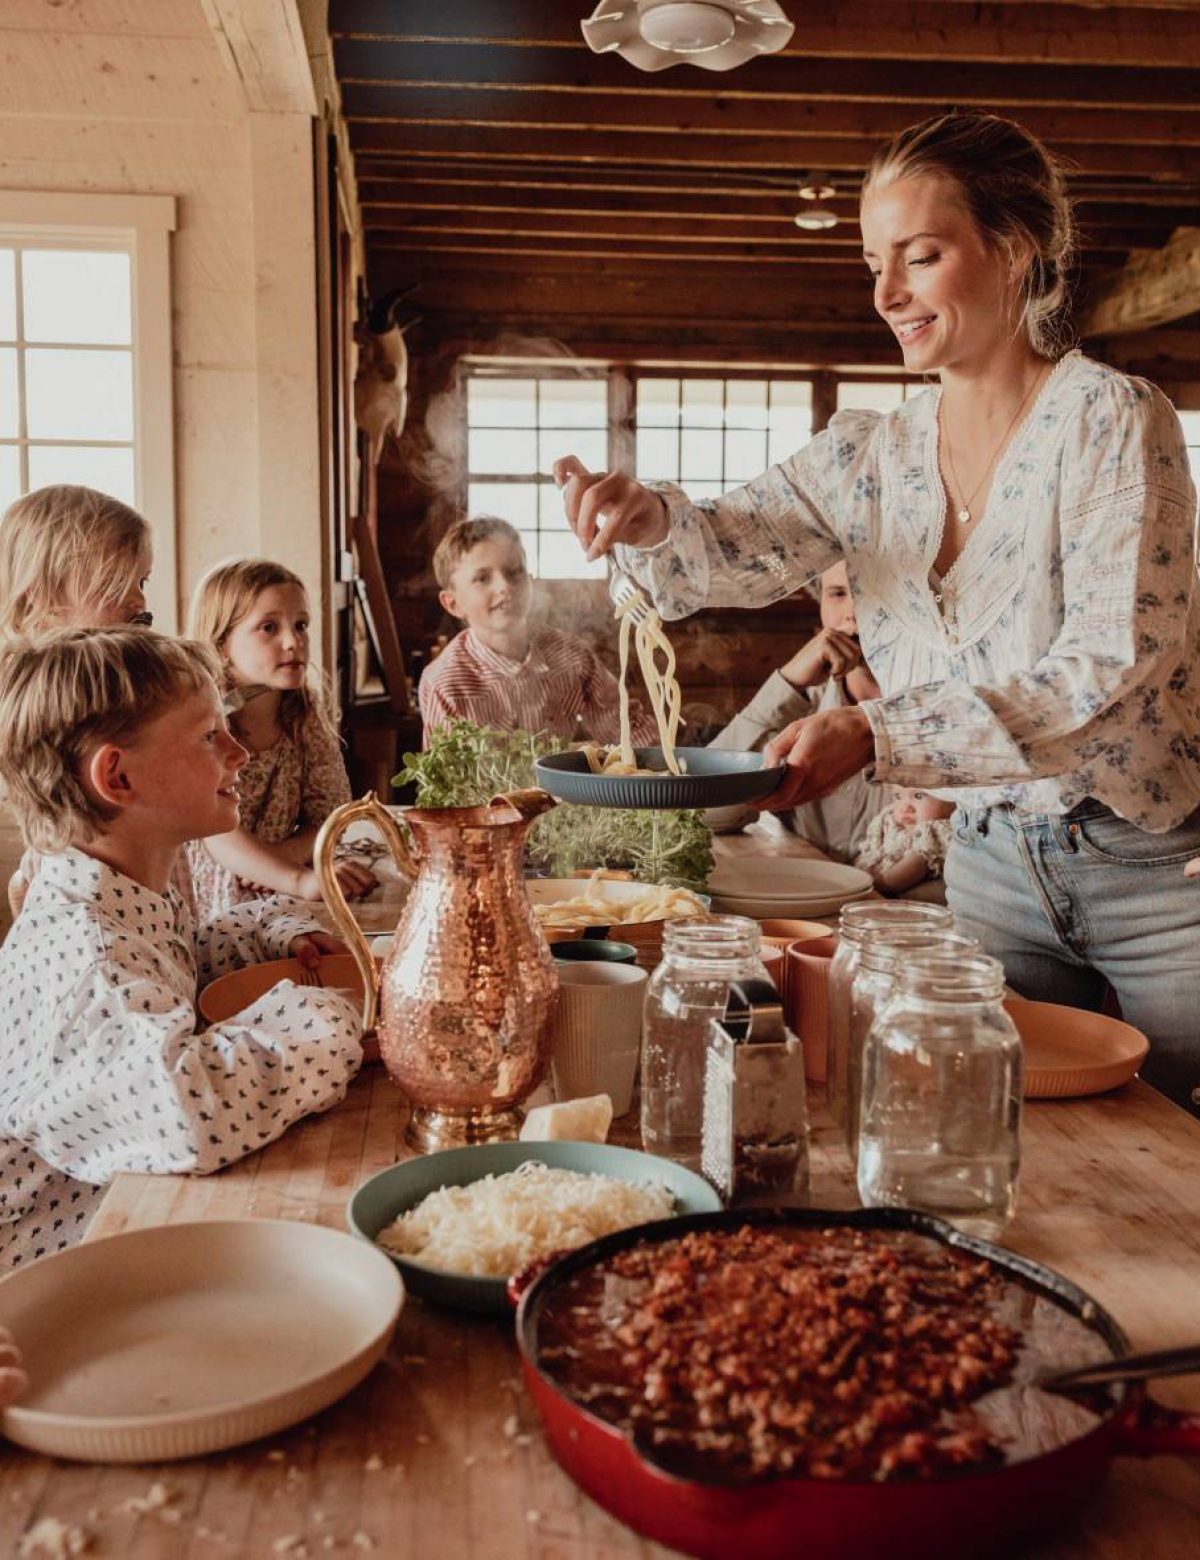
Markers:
point(963, 513)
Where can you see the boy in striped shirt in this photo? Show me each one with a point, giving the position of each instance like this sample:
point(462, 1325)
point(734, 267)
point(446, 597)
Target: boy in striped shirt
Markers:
point(502, 672)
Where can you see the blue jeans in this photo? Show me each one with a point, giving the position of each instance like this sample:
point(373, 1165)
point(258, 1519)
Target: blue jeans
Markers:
point(1068, 903)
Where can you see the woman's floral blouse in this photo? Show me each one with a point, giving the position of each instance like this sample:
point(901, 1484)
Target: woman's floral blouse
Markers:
point(1059, 658)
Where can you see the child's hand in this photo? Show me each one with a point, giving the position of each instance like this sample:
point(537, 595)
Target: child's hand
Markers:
point(13, 1380)
point(1193, 867)
point(311, 947)
point(355, 881)
point(828, 654)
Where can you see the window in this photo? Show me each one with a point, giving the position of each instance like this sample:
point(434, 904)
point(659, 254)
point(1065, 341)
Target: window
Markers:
point(712, 434)
point(517, 426)
point(875, 395)
point(85, 356)
point(1191, 434)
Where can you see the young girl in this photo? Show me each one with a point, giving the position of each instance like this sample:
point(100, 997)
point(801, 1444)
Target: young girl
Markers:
point(906, 843)
point(255, 614)
point(72, 558)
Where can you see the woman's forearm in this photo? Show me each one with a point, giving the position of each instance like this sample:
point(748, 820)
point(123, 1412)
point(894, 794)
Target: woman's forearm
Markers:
point(266, 866)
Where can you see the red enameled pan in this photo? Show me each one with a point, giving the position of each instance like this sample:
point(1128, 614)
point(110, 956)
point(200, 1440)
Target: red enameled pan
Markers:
point(972, 1514)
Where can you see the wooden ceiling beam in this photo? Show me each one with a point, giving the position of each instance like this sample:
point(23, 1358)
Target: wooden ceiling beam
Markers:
point(775, 154)
point(1155, 287)
point(1057, 34)
point(785, 75)
point(682, 227)
point(717, 115)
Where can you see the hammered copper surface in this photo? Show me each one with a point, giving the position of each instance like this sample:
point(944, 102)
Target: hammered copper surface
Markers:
point(468, 990)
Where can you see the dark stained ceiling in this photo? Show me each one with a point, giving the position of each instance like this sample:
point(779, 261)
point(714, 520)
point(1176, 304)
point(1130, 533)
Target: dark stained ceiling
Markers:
point(525, 181)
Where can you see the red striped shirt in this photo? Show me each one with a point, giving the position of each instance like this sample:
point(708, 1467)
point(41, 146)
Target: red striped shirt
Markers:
point(561, 686)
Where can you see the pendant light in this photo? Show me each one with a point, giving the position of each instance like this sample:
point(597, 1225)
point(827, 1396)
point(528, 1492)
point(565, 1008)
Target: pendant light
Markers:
point(713, 34)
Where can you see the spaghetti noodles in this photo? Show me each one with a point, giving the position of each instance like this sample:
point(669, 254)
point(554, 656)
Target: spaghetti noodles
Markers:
point(636, 615)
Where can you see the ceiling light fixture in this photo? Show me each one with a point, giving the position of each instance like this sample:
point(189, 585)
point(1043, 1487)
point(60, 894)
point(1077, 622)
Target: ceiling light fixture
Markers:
point(817, 186)
point(714, 34)
point(812, 216)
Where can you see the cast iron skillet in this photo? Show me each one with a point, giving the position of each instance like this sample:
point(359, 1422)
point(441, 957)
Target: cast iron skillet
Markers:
point(967, 1515)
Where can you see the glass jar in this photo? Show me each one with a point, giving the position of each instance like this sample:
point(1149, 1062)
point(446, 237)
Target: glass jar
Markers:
point(941, 1096)
point(882, 951)
point(854, 922)
point(685, 993)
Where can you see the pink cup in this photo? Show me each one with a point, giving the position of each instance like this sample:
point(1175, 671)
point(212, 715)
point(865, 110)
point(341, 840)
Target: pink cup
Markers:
point(806, 1002)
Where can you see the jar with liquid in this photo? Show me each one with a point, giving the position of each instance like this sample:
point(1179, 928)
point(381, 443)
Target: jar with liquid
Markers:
point(882, 952)
point(687, 992)
point(941, 1096)
point(854, 922)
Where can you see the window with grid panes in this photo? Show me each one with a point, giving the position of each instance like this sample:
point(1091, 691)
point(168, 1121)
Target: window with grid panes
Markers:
point(711, 434)
point(66, 370)
point(517, 426)
point(875, 395)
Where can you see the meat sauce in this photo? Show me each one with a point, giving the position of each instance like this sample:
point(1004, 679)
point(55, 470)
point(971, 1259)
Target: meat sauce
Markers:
point(834, 1353)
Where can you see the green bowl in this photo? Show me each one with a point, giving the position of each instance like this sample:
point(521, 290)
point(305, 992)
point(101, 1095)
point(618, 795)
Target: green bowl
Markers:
point(394, 1191)
point(593, 950)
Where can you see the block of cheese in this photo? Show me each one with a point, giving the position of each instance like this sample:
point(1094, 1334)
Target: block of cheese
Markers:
point(574, 1121)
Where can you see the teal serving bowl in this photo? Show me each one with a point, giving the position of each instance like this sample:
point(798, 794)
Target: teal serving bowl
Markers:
point(593, 950)
point(380, 1200)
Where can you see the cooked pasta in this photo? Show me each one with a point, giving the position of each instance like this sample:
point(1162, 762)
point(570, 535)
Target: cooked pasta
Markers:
point(636, 614)
point(591, 908)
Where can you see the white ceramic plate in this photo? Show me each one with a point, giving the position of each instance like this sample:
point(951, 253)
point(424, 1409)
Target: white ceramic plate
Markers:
point(188, 1338)
point(775, 909)
point(787, 878)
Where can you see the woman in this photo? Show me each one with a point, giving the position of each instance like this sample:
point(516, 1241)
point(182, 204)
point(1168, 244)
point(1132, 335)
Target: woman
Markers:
point(1020, 545)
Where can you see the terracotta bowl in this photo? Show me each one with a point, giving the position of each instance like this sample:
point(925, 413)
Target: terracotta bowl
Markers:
point(228, 995)
point(1069, 1052)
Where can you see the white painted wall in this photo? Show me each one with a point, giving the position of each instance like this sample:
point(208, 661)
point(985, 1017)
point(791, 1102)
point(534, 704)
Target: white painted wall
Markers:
point(152, 97)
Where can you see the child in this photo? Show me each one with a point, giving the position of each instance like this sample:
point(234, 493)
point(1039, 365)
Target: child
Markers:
point(255, 615)
point(907, 843)
point(500, 671)
point(72, 558)
point(113, 752)
point(826, 673)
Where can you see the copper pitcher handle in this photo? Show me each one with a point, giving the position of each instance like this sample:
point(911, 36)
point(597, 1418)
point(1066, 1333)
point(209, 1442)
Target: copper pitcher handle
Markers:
point(339, 820)
point(531, 802)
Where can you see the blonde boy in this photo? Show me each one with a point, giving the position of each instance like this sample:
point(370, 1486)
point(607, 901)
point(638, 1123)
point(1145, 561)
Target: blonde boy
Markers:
point(502, 672)
point(114, 752)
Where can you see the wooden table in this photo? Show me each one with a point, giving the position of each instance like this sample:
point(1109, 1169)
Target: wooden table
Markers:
point(437, 1456)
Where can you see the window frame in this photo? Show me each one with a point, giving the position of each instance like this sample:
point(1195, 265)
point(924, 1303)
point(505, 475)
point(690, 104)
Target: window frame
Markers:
point(140, 226)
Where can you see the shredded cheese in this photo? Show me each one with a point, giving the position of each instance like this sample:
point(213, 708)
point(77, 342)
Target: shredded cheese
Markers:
point(496, 1226)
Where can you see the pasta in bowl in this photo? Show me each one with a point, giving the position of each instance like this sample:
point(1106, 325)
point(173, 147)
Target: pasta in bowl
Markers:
point(574, 907)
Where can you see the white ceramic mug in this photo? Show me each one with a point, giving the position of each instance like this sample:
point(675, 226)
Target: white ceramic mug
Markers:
point(598, 1032)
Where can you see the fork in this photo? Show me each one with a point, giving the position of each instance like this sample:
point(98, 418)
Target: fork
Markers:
point(310, 975)
point(622, 587)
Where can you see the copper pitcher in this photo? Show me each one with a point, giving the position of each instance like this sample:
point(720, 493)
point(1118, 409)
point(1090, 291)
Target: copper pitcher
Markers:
point(465, 1001)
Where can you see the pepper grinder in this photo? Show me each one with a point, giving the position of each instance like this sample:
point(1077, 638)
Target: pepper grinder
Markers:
point(755, 1135)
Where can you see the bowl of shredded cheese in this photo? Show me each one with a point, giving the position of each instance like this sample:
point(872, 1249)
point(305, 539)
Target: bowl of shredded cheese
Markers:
point(459, 1224)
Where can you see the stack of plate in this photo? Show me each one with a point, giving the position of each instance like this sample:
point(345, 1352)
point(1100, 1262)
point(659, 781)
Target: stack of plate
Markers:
point(766, 889)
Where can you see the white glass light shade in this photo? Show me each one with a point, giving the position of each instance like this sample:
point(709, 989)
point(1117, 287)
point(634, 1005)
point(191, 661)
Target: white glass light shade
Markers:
point(713, 34)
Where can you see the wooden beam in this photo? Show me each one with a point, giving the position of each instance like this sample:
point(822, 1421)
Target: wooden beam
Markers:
point(782, 75)
point(718, 114)
point(1156, 286)
point(501, 242)
point(263, 45)
point(782, 154)
point(1058, 34)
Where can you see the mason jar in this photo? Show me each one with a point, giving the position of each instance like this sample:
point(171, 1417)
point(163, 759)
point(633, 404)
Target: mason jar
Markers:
point(882, 951)
point(688, 990)
point(854, 922)
point(941, 1095)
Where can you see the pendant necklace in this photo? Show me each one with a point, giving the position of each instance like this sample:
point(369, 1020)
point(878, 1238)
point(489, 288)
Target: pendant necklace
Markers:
point(963, 513)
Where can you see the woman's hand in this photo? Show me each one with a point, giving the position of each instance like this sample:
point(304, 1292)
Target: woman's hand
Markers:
point(13, 1380)
point(311, 947)
point(827, 654)
point(630, 512)
point(355, 880)
point(821, 751)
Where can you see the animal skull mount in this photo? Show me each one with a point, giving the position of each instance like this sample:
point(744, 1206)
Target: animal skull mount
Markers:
point(381, 382)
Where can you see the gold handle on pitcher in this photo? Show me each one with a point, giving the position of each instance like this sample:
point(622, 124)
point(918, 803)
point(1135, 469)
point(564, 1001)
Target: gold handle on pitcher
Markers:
point(373, 811)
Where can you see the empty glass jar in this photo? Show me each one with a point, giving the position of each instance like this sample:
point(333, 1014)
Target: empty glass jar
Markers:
point(941, 1096)
point(854, 922)
point(882, 952)
point(688, 990)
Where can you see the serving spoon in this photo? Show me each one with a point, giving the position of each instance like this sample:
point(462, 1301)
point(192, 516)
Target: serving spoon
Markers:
point(1125, 1367)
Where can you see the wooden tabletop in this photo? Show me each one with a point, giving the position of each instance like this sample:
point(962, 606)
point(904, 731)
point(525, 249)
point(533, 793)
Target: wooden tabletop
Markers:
point(438, 1456)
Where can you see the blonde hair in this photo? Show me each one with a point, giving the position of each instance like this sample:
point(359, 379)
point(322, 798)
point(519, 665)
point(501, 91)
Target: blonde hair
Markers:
point(61, 546)
point(1016, 193)
point(462, 536)
point(69, 691)
point(224, 596)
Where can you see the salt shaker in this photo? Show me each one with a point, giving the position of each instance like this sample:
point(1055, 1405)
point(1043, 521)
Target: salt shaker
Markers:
point(755, 1133)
